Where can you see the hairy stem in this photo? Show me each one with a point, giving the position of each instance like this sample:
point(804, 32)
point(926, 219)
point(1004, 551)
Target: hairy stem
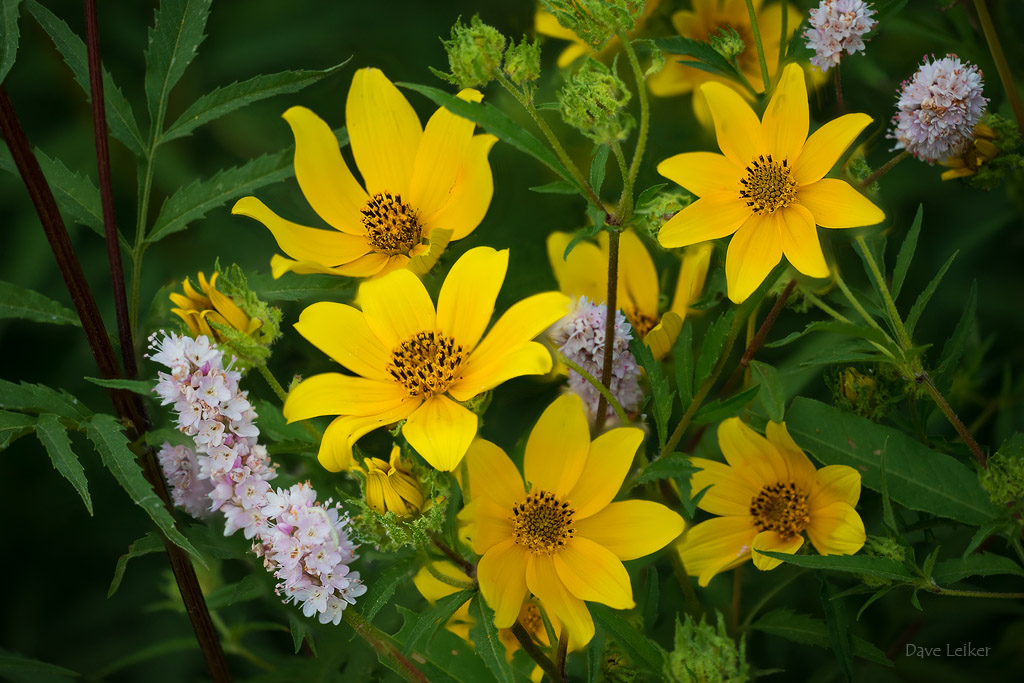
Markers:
point(977, 594)
point(1002, 66)
point(611, 309)
point(383, 644)
point(760, 47)
point(530, 648)
point(645, 121)
point(953, 418)
point(884, 168)
point(759, 339)
point(561, 654)
point(465, 565)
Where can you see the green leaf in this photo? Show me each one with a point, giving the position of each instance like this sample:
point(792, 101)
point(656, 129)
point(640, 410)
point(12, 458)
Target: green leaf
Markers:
point(640, 649)
point(906, 254)
point(76, 195)
point(14, 426)
point(228, 98)
point(119, 113)
point(38, 398)
point(845, 329)
point(660, 390)
point(16, 302)
point(982, 564)
point(384, 586)
point(138, 386)
point(106, 434)
point(159, 649)
point(436, 616)
point(838, 623)
point(917, 477)
point(918, 308)
point(249, 588)
point(805, 629)
point(850, 564)
point(299, 628)
point(877, 595)
point(850, 352)
point(648, 195)
point(174, 37)
point(486, 641)
point(598, 167)
point(711, 60)
point(716, 411)
point(982, 534)
point(671, 465)
point(953, 349)
point(557, 187)
point(714, 342)
point(18, 668)
point(651, 597)
point(54, 438)
point(773, 398)
point(150, 543)
point(8, 36)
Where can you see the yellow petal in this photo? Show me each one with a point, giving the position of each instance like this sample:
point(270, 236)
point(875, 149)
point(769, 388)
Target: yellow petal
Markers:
point(675, 79)
point(836, 530)
point(800, 240)
point(396, 307)
point(702, 173)
point(610, 458)
point(751, 455)
point(593, 573)
point(770, 540)
point(492, 475)
point(736, 125)
point(424, 259)
point(332, 393)
point(754, 251)
point(502, 576)
point(786, 119)
point(487, 371)
point(546, 24)
point(432, 588)
point(341, 332)
point(339, 437)
point(365, 266)
point(573, 52)
point(486, 523)
point(712, 216)
point(384, 132)
point(835, 204)
point(466, 302)
point(638, 279)
point(823, 149)
point(441, 431)
point(190, 317)
point(326, 247)
point(692, 274)
point(730, 494)
point(440, 157)
point(715, 546)
point(471, 196)
point(235, 316)
point(800, 469)
point(662, 336)
point(584, 272)
point(556, 451)
point(543, 581)
point(325, 180)
point(632, 528)
point(834, 484)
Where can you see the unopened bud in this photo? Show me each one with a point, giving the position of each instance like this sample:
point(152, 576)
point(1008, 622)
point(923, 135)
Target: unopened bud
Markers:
point(474, 53)
point(594, 102)
point(522, 61)
point(596, 21)
point(1003, 478)
point(705, 653)
point(727, 42)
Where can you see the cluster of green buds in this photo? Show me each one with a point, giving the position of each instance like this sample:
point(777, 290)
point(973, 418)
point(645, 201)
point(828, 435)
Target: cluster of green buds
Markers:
point(887, 548)
point(1003, 477)
point(727, 42)
point(705, 654)
point(476, 54)
point(596, 21)
point(866, 394)
point(989, 159)
point(594, 102)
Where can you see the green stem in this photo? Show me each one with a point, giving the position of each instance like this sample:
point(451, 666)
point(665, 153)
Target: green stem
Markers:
point(1002, 66)
point(626, 199)
point(692, 603)
point(883, 169)
point(468, 567)
point(883, 287)
point(767, 595)
point(282, 395)
point(856, 304)
point(645, 120)
point(596, 383)
point(1017, 547)
point(784, 39)
point(384, 646)
point(977, 594)
point(953, 418)
point(760, 47)
point(530, 648)
point(815, 301)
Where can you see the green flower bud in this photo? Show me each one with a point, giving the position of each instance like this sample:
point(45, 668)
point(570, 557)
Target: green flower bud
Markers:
point(887, 548)
point(522, 61)
point(727, 42)
point(705, 654)
point(1004, 476)
point(594, 102)
point(474, 53)
point(596, 21)
point(650, 215)
point(866, 394)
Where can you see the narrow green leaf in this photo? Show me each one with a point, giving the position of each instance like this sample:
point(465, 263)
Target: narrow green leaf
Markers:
point(660, 390)
point(714, 342)
point(953, 349)
point(805, 629)
point(671, 465)
point(594, 656)
point(28, 304)
point(929, 562)
point(54, 438)
point(851, 352)
point(150, 543)
point(14, 426)
point(557, 187)
point(292, 287)
point(640, 649)
point(982, 535)
point(647, 196)
point(906, 255)
point(106, 434)
point(21, 668)
point(249, 588)
point(38, 398)
point(838, 624)
point(916, 476)
point(485, 638)
point(8, 36)
point(138, 386)
point(651, 598)
point(384, 586)
point(845, 329)
point(880, 593)
point(850, 564)
point(716, 411)
point(888, 516)
point(773, 398)
point(299, 628)
point(119, 113)
point(436, 616)
point(228, 98)
point(598, 167)
point(981, 564)
point(176, 33)
point(918, 308)
point(710, 60)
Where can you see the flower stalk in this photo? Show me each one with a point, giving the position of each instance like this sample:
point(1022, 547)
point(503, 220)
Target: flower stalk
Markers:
point(626, 206)
point(1002, 66)
point(530, 648)
point(760, 48)
point(884, 168)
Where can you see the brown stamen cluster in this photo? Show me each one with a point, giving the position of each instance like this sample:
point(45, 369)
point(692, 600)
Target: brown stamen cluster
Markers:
point(426, 363)
point(543, 524)
point(769, 185)
point(392, 226)
point(640, 322)
point(781, 508)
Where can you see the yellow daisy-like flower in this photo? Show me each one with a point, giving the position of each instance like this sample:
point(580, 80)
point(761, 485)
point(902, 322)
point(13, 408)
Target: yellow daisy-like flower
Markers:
point(391, 485)
point(585, 273)
point(767, 496)
point(198, 310)
point(417, 363)
point(546, 24)
point(768, 186)
point(564, 540)
point(423, 186)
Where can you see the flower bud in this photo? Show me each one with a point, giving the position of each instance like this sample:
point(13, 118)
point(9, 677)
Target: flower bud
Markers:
point(474, 53)
point(986, 161)
point(522, 61)
point(704, 653)
point(1003, 478)
point(867, 395)
point(596, 21)
point(391, 486)
point(651, 214)
point(727, 42)
point(594, 102)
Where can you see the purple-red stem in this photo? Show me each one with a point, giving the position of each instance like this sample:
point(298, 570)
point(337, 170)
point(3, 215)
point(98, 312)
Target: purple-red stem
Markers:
point(611, 309)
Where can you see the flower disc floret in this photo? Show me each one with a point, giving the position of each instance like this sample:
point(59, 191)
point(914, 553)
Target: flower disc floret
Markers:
point(427, 363)
point(782, 508)
point(392, 226)
point(543, 523)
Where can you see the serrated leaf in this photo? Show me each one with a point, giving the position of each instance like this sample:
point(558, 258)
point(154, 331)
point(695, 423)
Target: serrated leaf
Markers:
point(138, 386)
point(953, 349)
point(176, 33)
point(845, 329)
point(714, 342)
point(300, 632)
point(292, 287)
point(150, 543)
point(671, 465)
point(682, 352)
point(709, 59)
point(486, 641)
point(557, 187)
point(802, 628)
point(716, 411)
point(918, 308)
point(598, 167)
point(981, 564)
point(106, 434)
point(28, 304)
point(19, 668)
point(38, 398)
point(8, 36)
point(917, 477)
point(641, 650)
point(14, 426)
point(906, 255)
point(54, 438)
point(982, 534)
point(119, 113)
point(850, 564)
point(853, 352)
point(773, 398)
point(660, 390)
point(384, 586)
point(228, 98)
point(436, 616)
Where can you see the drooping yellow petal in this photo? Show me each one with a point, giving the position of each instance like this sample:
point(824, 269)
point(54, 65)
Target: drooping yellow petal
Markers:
point(323, 176)
point(736, 125)
point(333, 393)
point(466, 302)
point(190, 317)
point(486, 372)
point(591, 572)
point(432, 588)
point(492, 475)
point(835, 204)
point(801, 469)
point(800, 240)
point(638, 278)
point(702, 173)
point(786, 120)
point(609, 459)
point(662, 336)
point(546, 24)
point(556, 451)
point(751, 455)
point(423, 257)
point(365, 266)
point(584, 272)
point(341, 332)
point(730, 492)
point(339, 437)
point(716, 545)
point(502, 576)
point(771, 540)
point(384, 132)
point(471, 195)
point(441, 431)
point(834, 484)
point(543, 581)
point(836, 530)
point(823, 149)
point(692, 274)
point(234, 316)
point(396, 307)
point(572, 52)
point(486, 524)
point(753, 252)
point(712, 216)
point(631, 528)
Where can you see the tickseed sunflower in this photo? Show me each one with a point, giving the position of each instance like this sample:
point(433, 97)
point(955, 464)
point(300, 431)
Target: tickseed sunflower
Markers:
point(585, 273)
point(200, 308)
point(417, 363)
point(768, 186)
point(391, 485)
point(767, 495)
point(562, 539)
point(423, 186)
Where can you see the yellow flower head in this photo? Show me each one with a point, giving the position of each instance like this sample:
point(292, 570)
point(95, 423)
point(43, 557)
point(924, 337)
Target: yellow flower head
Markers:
point(423, 186)
point(417, 363)
point(199, 309)
point(391, 485)
point(585, 273)
point(768, 186)
point(981, 151)
point(563, 540)
point(546, 24)
point(767, 496)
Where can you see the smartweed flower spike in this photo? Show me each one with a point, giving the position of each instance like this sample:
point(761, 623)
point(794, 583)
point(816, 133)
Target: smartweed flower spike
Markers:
point(835, 26)
point(938, 109)
point(596, 21)
point(474, 53)
point(594, 102)
point(181, 470)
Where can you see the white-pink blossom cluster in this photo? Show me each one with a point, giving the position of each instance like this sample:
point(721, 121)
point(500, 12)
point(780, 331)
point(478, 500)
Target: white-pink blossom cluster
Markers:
point(188, 491)
point(835, 26)
point(938, 109)
point(580, 338)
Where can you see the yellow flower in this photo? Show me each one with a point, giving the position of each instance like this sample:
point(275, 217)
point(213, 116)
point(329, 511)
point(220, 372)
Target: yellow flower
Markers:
point(546, 24)
point(564, 540)
point(768, 186)
point(198, 310)
point(585, 273)
point(412, 360)
point(423, 186)
point(981, 151)
point(767, 495)
point(391, 485)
